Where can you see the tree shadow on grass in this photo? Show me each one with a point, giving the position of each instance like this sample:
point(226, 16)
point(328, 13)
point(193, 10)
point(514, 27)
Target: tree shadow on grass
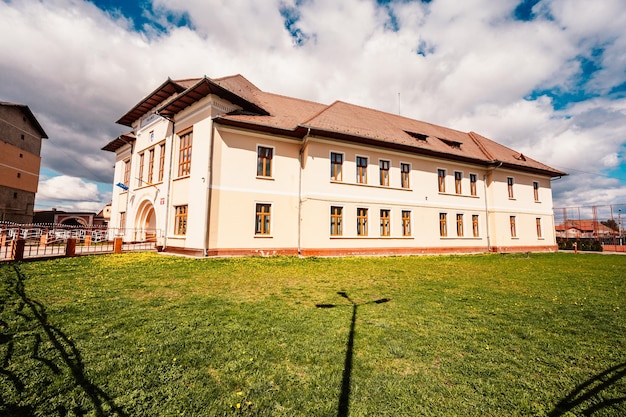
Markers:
point(16, 307)
point(344, 398)
point(591, 396)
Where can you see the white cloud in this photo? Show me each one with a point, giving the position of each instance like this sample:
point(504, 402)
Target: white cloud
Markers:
point(64, 188)
point(467, 65)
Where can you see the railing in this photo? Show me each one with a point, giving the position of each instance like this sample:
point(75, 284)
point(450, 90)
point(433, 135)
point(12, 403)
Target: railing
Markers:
point(19, 241)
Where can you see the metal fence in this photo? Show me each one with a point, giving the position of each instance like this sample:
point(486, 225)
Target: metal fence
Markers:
point(600, 225)
point(41, 241)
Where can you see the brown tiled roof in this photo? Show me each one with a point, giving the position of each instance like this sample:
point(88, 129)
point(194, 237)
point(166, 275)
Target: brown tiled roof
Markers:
point(585, 225)
point(118, 142)
point(342, 121)
point(149, 102)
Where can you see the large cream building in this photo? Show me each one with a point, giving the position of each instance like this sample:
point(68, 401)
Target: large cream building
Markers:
point(219, 167)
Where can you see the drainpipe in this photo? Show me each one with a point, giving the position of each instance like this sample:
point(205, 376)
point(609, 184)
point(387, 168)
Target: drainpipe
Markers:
point(487, 206)
point(208, 191)
point(305, 142)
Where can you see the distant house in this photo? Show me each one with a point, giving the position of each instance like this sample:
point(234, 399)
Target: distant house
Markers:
point(581, 229)
point(221, 167)
point(20, 148)
point(105, 214)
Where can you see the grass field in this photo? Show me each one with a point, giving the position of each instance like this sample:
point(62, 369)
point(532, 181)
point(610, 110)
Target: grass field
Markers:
point(154, 335)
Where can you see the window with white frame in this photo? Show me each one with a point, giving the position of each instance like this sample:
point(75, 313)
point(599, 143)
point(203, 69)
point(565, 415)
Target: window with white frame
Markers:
point(385, 222)
point(443, 224)
point(262, 219)
point(264, 161)
point(184, 154)
point(361, 222)
point(336, 166)
point(473, 190)
point(384, 172)
point(361, 169)
point(336, 221)
point(441, 178)
point(405, 172)
point(458, 180)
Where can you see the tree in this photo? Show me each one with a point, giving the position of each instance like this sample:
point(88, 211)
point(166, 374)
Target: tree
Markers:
point(612, 224)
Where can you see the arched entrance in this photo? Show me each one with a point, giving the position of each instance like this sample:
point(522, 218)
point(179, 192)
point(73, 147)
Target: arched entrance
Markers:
point(145, 222)
point(74, 221)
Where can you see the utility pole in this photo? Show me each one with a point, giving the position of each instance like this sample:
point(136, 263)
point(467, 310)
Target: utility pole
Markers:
point(619, 225)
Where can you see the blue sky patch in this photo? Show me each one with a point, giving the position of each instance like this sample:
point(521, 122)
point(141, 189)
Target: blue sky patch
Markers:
point(524, 10)
point(291, 15)
point(424, 49)
point(561, 97)
point(143, 15)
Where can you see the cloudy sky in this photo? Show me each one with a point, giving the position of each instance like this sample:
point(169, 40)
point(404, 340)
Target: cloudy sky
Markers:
point(545, 77)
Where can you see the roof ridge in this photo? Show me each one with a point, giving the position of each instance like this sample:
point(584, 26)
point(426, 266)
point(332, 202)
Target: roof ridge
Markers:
point(185, 79)
point(319, 113)
point(292, 98)
point(477, 140)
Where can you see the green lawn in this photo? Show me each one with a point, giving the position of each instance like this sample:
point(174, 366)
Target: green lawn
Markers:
point(154, 335)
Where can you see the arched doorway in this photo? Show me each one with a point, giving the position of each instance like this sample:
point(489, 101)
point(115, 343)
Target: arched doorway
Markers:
point(145, 222)
point(74, 221)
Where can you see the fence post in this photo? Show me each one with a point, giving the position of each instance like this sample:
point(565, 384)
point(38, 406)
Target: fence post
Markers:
point(70, 247)
point(117, 245)
point(17, 249)
point(88, 240)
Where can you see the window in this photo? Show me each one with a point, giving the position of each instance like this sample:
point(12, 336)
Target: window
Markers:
point(443, 224)
point(513, 228)
point(538, 225)
point(150, 165)
point(405, 179)
point(473, 184)
point(475, 225)
point(127, 172)
point(361, 222)
point(536, 190)
point(140, 173)
point(384, 172)
point(406, 223)
point(441, 174)
point(161, 161)
point(361, 170)
point(336, 165)
point(263, 217)
point(122, 220)
point(385, 229)
point(509, 182)
point(184, 154)
point(458, 177)
point(264, 161)
point(336, 221)
point(180, 220)
point(459, 225)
